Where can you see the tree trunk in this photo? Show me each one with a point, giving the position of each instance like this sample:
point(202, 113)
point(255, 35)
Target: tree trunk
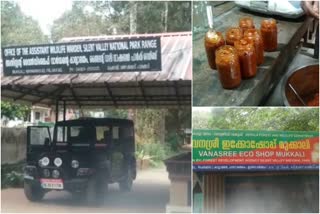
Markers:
point(165, 21)
point(133, 17)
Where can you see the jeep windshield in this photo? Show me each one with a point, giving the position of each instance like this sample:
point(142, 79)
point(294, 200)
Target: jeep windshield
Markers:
point(74, 135)
point(84, 135)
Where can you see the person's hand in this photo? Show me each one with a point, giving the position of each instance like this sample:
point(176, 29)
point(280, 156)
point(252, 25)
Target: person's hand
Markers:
point(311, 8)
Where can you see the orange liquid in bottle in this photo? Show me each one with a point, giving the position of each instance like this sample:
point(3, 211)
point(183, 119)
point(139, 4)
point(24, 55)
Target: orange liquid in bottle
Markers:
point(269, 34)
point(228, 66)
point(247, 58)
point(255, 36)
point(213, 40)
point(233, 34)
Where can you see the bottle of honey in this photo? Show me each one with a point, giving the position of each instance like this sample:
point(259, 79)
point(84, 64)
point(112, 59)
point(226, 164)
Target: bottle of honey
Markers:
point(246, 23)
point(228, 66)
point(269, 34)
point(233, 34)
point(255, 36)
point(213, 40)
point(247, 58)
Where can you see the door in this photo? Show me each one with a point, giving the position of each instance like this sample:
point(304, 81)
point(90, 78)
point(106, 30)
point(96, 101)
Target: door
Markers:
point(38, 142)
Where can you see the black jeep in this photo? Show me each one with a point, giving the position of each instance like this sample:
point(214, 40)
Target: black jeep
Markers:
point(84, 156)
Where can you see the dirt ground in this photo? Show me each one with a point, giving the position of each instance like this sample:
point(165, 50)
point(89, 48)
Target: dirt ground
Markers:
point(150, 193)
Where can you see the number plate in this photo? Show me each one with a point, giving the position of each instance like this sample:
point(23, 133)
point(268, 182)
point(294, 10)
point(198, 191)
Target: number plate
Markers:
point(51, 183)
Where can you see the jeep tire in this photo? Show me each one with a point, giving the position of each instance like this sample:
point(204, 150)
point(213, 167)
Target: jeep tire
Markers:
point(125, 185)
point(33, 192)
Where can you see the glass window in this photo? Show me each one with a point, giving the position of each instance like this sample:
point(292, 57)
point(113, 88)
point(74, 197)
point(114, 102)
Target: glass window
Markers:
point(101, 131)
point(38, 135)
point(115, 132)
point(75, 131)
point(37, 115)
point(60, 137)
point(79, 134)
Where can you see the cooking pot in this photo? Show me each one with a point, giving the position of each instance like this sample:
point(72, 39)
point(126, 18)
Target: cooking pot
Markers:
point(304, 81)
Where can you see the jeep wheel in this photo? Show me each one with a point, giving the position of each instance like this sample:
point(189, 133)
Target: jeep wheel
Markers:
point(126, 184)
point(33, 192)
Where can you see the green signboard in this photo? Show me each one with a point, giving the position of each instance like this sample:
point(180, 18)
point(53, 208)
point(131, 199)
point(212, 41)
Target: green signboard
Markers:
point(227, 150)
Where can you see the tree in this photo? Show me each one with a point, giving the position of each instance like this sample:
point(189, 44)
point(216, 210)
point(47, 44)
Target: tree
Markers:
point(118, 17)
point(13, 111)
point(287, 119)
point(17, 28)
point(116, 113)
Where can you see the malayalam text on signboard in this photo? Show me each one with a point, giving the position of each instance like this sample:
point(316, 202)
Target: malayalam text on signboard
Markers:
point(228, 150)
point(138, 54)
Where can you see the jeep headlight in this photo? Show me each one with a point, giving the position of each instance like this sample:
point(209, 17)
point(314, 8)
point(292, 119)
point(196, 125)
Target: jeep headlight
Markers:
point(44, 161)
point(74, 164)
point(57, 162)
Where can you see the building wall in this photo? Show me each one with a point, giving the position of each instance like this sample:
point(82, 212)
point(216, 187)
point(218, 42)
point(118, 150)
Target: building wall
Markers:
point(257, 192)
point(13, 145)
point(179, 192)
point(213, 193)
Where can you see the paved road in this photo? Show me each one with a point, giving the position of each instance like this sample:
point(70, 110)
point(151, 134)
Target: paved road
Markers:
point(150, 194)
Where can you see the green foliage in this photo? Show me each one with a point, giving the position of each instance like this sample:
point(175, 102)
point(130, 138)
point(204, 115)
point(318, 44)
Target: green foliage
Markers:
point(12, 175)
point(176, 121)
point(12, 179)
point(179, 16)
point(162, 126)
point(17, 28)
point(79, 22)
point(116, 113)
point(155, 152)
point(12, 110)
point(174, 141)
point(149, 125)
point(287, 119)
point(113, 17)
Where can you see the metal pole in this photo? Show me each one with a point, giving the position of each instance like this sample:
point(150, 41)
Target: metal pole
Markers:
point(316, 47)
point(57, 110)
point(64, 110)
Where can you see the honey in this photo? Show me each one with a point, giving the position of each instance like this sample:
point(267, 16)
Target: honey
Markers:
point(247, 58)
point(213, 40)
point(233, 34)
point(246, 23)
point(255, 36)
point(228, 67)
point(269, 34)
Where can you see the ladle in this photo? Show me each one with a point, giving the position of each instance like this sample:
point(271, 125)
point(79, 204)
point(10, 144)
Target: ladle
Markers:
point(295, 92)
point(210, 17)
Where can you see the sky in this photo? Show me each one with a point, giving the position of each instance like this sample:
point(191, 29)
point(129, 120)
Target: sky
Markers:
point(44, 11)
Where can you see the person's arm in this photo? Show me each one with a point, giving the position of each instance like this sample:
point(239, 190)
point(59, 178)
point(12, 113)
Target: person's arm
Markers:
point(311, 8)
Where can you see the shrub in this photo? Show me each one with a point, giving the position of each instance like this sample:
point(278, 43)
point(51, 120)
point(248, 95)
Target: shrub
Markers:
point(155, 152)
point(12, 175)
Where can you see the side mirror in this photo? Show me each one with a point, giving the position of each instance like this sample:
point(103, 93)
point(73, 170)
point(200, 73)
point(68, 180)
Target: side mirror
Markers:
point(46, 141)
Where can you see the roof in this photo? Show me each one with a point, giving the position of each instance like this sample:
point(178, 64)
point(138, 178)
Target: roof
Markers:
point(170, 87)
point(96, 121)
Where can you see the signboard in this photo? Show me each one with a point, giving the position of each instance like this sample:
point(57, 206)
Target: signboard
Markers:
point(138, 54)
point(232, 150)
